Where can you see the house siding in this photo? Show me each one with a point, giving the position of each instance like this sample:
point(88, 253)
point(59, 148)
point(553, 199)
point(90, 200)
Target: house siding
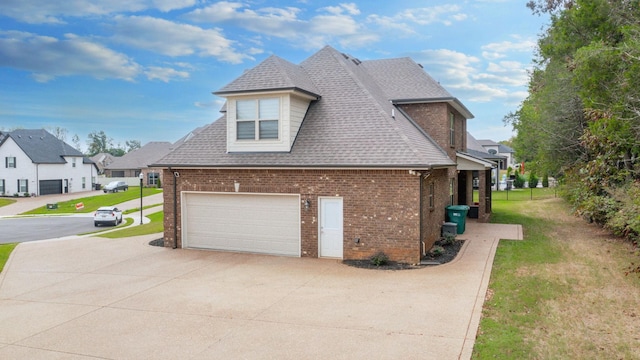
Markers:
point(381, 207)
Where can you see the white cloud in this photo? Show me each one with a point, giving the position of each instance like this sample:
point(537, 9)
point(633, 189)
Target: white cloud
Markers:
point(49, 11)
point(173, 39)
point(48, 57)
point(464, 76)
point(164, 74)
point(334, 23)
point(499, 49)
point(440, 14)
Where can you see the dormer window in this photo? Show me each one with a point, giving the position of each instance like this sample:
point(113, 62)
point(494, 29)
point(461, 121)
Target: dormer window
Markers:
point(257, 119)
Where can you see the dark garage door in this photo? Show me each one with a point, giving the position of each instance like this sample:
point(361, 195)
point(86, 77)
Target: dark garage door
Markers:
point(48, 187)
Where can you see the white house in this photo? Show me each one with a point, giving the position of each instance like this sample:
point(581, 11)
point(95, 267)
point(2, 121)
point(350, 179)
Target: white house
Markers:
point(495, 148)
point(36, 162)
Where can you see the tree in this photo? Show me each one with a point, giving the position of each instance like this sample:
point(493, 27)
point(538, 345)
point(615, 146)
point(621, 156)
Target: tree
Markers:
point(58, 132)
point(98, 143)
point(132, 145)
point(76, 142)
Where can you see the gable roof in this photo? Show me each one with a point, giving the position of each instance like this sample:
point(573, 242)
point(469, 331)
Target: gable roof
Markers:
point(41, 146)
point(142, 157)
point(503, 149)
point(274, 73)
point(352, 124)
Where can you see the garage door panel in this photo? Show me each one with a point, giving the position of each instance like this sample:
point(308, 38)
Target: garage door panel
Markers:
point(243, 222)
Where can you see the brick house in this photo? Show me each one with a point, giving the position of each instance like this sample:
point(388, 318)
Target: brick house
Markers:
point(335, 157)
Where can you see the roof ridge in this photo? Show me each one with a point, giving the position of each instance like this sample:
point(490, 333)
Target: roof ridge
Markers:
point(390, 118)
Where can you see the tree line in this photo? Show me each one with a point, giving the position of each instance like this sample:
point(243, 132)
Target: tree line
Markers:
point(581, 120)
point(97, 142)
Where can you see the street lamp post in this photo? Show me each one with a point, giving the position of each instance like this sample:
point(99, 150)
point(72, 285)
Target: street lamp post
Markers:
point(141, 176)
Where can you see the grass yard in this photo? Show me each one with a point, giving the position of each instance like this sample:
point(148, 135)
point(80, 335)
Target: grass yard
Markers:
point(155, 226)
point(92, 203)
point(5, 251)
point(561, 293)
point(5, 201)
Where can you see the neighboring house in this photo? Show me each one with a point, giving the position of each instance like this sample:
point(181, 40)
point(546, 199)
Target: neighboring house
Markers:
point(137, 161)
point(495, 148)
point(335, 157)
point(475, 148)
point(36, 162)
point(102, 160)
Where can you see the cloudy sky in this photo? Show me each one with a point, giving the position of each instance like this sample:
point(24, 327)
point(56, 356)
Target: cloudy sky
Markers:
point(145, 69)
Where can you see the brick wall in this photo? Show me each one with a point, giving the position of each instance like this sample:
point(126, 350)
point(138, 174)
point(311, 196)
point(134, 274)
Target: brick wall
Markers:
point(380, 207)
point(433, 217)
point(434, 119)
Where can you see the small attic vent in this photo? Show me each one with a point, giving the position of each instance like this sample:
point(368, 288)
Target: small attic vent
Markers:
point(345, 56)
point(422, 67)
point(356, 61)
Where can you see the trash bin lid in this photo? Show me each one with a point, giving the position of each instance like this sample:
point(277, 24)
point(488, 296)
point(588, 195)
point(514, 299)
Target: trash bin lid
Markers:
point(458, 207)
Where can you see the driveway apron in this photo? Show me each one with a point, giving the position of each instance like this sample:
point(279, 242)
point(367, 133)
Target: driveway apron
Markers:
point(90, 297)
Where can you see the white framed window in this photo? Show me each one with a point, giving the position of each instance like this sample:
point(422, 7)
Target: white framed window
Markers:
point(10, 162)
point(152, 178)
point(84, 181)
point(452, 190)
point(452, 129)
point(1, 186)
point(23, 186)
point(73, 164)
point(258, 119)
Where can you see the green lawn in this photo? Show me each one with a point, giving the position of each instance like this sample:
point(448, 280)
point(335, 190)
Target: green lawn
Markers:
point(561, 293)
point(5, 201)
point(5, 251)
point(155, 226)
point(92, 203)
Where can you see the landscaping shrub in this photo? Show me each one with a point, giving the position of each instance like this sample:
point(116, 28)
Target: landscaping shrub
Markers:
point(545, 180)
point(533, 180)
point(519, 181)
point(379, 259)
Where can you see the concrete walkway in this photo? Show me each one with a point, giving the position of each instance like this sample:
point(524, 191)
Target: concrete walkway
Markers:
point(87, 298)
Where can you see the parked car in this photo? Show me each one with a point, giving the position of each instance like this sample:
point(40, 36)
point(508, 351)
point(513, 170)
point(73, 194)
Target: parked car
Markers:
point(114, 186)
point(107, 215)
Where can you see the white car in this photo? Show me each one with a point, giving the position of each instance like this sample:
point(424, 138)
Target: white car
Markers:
point(114, 186)
point(107, 215)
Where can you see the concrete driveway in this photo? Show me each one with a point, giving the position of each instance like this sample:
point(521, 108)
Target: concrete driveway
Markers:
point(88, 298)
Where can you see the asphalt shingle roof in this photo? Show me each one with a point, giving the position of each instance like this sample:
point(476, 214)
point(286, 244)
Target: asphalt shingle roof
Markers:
point(351, 125)
point(42, 147)
point(142, 157)
point(271, 74)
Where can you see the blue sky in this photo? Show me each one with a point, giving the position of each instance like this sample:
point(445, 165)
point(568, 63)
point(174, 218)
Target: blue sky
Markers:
point(145, 69)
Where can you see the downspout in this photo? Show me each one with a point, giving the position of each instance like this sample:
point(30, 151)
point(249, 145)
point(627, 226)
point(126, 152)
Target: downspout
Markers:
point(175, 209)
point(421, 241)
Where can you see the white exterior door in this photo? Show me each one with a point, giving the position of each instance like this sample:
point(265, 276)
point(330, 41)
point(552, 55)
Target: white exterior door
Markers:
point(331, 240)
point(257, 223)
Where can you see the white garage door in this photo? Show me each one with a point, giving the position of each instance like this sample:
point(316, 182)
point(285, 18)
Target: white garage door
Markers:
point(265, 223)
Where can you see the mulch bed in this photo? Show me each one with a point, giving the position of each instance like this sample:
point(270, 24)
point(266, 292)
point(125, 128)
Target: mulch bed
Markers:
point(450, 253)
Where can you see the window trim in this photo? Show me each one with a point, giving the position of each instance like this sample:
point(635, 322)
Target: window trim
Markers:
point(2, 186)
point(452, 129)
point(26, 186)
point(257, 120)
point(10, 164)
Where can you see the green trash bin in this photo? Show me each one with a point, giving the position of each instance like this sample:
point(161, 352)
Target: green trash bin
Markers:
point(457, 214)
